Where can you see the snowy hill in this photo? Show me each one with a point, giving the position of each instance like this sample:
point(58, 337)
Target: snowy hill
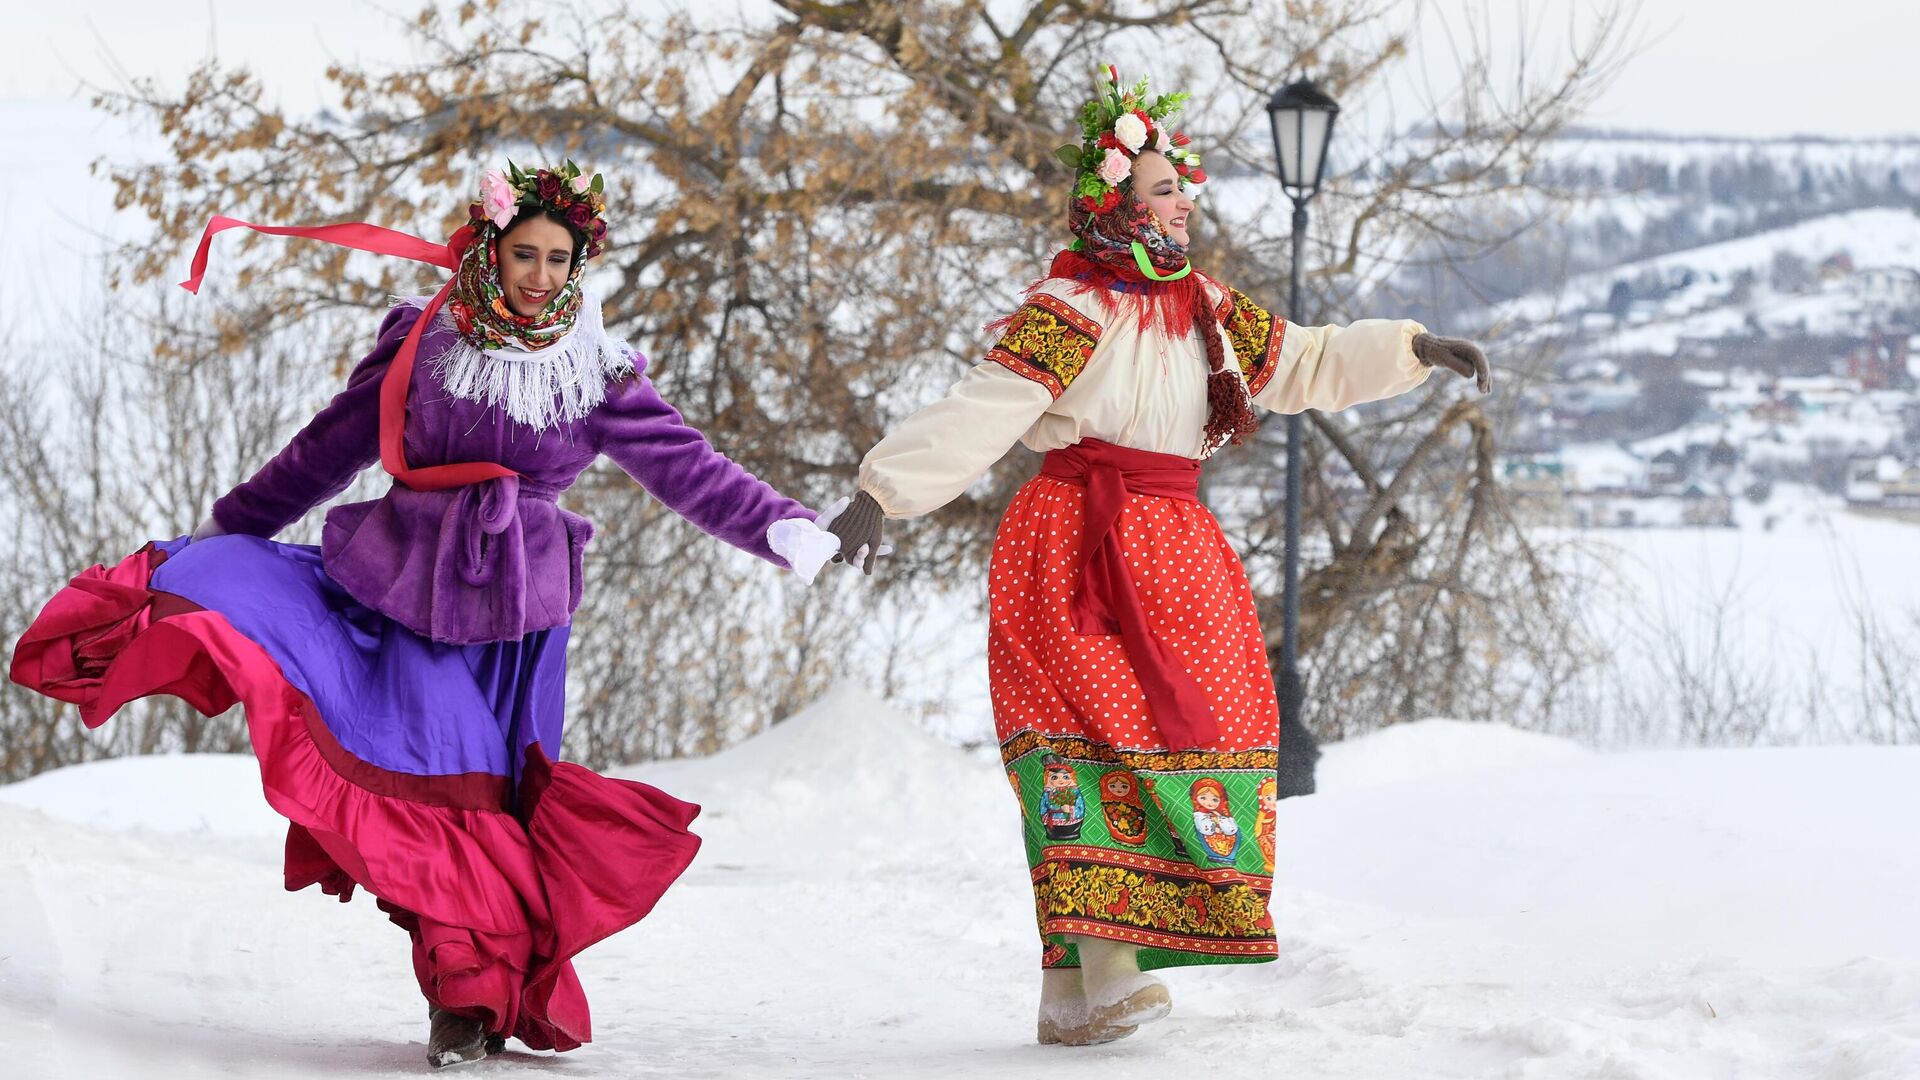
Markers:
point(1872, 237)
point(1460, 901)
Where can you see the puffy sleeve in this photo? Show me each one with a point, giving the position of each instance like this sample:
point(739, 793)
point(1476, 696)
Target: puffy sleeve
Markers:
point(1291, 368)
point(929, 458)
point(323, 457)
point(673, 461)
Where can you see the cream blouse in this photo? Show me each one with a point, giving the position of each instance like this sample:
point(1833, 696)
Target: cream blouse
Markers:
point(1070, 368)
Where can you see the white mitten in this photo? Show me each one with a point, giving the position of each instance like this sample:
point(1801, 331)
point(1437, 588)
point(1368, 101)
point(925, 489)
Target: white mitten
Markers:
point(804, 544)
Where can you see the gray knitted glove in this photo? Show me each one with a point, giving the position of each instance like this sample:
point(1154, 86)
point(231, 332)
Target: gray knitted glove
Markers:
point(1458, 355)
point(858, 527)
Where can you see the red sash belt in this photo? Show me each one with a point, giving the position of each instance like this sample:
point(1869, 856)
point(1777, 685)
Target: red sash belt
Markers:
point(1105, 600)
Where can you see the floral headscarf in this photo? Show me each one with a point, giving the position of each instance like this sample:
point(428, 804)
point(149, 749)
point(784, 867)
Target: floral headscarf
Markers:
point(478, 302)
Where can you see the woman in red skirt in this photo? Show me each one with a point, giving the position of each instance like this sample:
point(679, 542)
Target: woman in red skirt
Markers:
point(1131, 691)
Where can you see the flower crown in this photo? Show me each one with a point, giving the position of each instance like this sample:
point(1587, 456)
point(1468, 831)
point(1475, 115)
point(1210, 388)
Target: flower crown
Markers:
point(566, 191)
point(1115, 127)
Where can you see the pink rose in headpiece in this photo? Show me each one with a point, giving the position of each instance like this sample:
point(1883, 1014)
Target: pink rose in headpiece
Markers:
point(497, 198)
point(1115, 167)
point(1160, 140)
point(581, 184)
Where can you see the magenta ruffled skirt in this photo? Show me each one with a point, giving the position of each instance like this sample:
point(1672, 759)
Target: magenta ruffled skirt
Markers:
point(417, 770)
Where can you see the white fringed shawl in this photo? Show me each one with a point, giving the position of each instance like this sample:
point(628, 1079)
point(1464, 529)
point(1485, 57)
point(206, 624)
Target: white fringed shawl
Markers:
point(558, 384)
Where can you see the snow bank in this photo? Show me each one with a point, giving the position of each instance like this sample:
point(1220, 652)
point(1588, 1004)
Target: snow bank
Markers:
point(848, 776)
point(203, 794)
point(1436, 747)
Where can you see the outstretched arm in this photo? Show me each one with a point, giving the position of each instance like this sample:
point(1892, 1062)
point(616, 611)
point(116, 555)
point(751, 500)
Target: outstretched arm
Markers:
point(673, 461)
point(1334, 367)
point(929, 458)
point(1292, 368)
point(324, 457)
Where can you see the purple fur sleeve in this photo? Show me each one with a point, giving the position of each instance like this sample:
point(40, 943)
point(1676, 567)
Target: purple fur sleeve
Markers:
point(673, 461)
point(324, 457)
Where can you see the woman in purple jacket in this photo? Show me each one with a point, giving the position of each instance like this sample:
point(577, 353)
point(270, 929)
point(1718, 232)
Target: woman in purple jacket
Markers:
point(405, 681)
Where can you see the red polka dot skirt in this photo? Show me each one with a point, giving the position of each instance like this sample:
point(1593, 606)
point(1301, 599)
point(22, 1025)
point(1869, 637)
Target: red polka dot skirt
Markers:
point(1128, 840)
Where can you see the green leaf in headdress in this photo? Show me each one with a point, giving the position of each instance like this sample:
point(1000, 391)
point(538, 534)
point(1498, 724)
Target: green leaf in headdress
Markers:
point(1069, 155)
point(1093, 120)
point(599, 185)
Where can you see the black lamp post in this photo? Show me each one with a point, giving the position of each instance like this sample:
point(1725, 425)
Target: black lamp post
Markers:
point(1302, 116)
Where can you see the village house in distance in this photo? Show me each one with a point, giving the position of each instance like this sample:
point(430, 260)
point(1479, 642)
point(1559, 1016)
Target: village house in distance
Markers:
point(1705, 380)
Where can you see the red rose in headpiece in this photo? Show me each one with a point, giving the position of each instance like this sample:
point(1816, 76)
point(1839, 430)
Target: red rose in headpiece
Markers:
point(1198, 176)
point(579, 216)
point(548, 185)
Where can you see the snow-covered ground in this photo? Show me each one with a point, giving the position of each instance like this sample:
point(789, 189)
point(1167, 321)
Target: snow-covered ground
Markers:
point(1774, 607)
point(1460, 901)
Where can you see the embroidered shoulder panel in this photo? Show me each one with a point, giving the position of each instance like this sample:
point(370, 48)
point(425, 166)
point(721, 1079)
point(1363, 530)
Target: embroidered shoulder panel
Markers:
point(1255, 336)
point(1048, 341)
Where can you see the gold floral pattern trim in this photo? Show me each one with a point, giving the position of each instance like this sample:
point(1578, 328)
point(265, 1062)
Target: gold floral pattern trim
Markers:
point(1164, 910)
point(1047, 341)
point(1076, 748)
point(1255, 335)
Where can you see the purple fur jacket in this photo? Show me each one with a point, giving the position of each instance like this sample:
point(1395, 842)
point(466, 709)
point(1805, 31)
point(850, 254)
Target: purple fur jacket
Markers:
point(498, 560)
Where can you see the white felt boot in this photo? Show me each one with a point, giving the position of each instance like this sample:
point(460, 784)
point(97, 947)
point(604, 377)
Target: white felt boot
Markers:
point(1065, 1019)
point(1118, 993)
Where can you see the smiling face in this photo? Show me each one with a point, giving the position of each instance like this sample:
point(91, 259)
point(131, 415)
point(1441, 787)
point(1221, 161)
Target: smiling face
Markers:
point(1157, 186)
point(536, 256)
point(1206, 800)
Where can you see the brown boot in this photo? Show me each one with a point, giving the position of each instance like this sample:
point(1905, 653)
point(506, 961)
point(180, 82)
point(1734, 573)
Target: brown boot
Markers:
point(453, 1040)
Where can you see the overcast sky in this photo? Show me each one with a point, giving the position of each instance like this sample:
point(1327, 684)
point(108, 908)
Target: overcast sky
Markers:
point(1736, 67)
